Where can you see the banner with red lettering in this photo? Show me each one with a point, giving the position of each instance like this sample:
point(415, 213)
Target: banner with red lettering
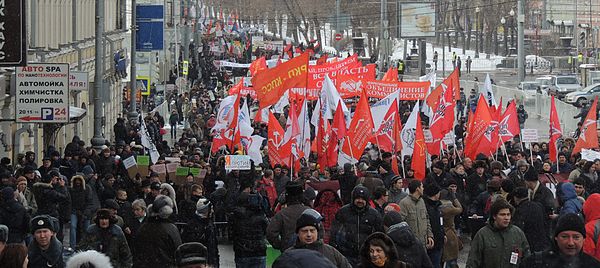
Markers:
point(243, 87)
point(408, 90)
point(316, 73)
point(349, 82)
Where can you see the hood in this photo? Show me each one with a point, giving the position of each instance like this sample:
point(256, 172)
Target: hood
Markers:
point(577, 93)
point(392, 254)
point(567, 192)
point(78, 177)
point(82, 259)
point(171, 194)
point(563, 87)
point(590, 208)
point(327, 197)
point(402, 235)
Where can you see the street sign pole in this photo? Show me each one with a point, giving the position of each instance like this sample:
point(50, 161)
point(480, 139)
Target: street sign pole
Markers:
point(133, 115)
point(97, 140)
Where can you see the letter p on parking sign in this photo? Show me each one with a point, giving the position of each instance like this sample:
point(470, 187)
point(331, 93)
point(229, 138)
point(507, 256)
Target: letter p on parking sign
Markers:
point(47, 114)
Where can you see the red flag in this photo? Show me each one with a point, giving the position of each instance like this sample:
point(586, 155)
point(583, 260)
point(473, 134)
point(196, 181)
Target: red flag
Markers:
point(391, 75)
point(257, 66)
point(272, 83)
point(385, 137)
point(442, 120)
point(419, 157)
point(588, 137)
point(453, 77)
point(508, 125)
point(278, 151)
point(360, 130)
point(395, 164)
point(221, 138)
point(480, 131)
point(323, 142)
point(555, 132)
point(339, 123)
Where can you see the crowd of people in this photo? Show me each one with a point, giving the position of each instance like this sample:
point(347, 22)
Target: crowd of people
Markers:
point(82, 207)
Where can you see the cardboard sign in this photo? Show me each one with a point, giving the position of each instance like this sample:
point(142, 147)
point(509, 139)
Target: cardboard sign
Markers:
point(143, 160)
point(529, 135)
point(172, 159)
point(161, 169)
point(129, 162)
point(589, 155)
point(237, 162)
point(195, 172)
point(172, 167)
point(182, 171)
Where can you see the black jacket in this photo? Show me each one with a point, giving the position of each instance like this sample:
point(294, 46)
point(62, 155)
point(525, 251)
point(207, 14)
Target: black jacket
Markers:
point(52, 257)
point(433, 210)
point(528, 216)
point(203, 230)
point(410, 250)
point(155, 243)
point(352, 226)
point(249, 225)
point(552, 259)
point(15, 217)
point(347, 183)
point(48, 196)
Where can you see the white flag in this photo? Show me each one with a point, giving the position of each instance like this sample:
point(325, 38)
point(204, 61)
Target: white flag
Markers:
point(487, 91)
point(408, 132)
point(254, 149)
point(147, 141)
point(303, 140)
point(283, 101)
point(380, 108)
point(330, 98)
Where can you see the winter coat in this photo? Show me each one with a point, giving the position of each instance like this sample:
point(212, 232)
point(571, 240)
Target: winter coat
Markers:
point(439, 180)
point(203, 230)
point(392, 255)
point(155, 243)
point(248, 228)
point(434, 215)
point(52, 257)
point(553, 259)
point(81, 200)
point(187, 208)
point(592, 216)
point(568, 196)
point(16, 218)
point(528, 216)
point(105, 165)
point(449, 210)
point(328, 251)
point(414, 212)
point(492, 248)
point(28, 200)
point(475, 185)
point(111, 242)
point(347, 183)
point(266, 187)
point(327, 203)
point(410, 250)
point(544, 196)
point(282, 228)
point(352, 226)
point(396, 195)
point(48, 197)
point(280, 182)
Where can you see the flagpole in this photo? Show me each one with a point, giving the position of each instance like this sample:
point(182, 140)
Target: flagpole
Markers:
point(531, 154)
point(403, 167)
point(505, 154)
point(378, 147)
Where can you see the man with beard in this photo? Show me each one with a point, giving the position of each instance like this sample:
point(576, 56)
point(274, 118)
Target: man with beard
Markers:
point(353, 223)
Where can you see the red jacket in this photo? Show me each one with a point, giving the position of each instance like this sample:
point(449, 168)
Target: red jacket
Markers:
point(267, 187)
point(591, 210)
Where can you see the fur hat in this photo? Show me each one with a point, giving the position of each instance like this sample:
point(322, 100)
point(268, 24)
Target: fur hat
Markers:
point(161, 207)
point(112, 204)
point(90, 258)
point(309, 217)
point(190, 253)
point(522, 163)
point(203, 207)
point(293, 188)
point(42, 222)
point(496, 165)
point(360, 192)
point(105, 214)
point(480, 164)
point(570, 222)
point(300, 258)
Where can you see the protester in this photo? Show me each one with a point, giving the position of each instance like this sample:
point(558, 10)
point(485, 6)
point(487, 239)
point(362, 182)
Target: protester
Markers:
point(14, 256)
point(378, 250)
point(106, 237)
point(14, 216)
point(414, 212)
point(280, 230)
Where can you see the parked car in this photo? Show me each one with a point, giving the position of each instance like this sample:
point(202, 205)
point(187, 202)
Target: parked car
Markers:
point(544, 82)
point(585, 95)
point(531, 88)
point(562, 85)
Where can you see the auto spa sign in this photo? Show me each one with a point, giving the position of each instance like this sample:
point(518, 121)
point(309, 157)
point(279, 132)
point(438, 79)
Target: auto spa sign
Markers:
point(42, 93)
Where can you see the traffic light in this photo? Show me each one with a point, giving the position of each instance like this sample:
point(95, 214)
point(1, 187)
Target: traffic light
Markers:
point(582, 37)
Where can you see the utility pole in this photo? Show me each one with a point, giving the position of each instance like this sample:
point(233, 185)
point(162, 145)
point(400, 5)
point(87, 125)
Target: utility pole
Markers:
point(521, 41)
point(133, 115)
point(186, 31)
point(97, 140)
point(575, 33)
point(383, 36)
point(337, 24)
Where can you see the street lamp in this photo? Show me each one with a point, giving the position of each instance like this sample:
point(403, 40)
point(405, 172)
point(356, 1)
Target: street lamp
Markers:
point(476, 32)
point(511, 27)
point(503, 22)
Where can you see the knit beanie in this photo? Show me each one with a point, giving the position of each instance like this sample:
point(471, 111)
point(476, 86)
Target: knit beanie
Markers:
point(431, 189)
point(530, 175)
point(570, 222)
point(360, 192)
